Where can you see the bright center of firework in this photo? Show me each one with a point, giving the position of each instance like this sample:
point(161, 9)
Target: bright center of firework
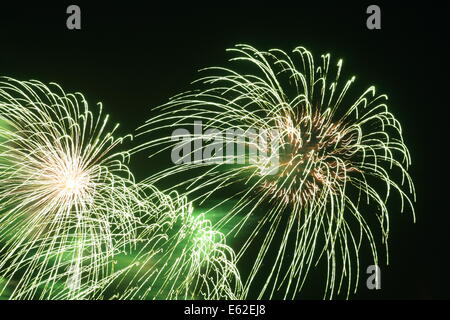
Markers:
point(72, 180)
point(72, 184)
point(312, 155)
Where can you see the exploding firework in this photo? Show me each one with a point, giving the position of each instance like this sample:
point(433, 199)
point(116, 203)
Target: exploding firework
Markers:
point(75, 225)
point(338, 160)
point(65, 194)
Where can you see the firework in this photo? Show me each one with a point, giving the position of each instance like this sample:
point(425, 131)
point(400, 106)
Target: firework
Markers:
point(75, 225)
point(65, 193)
point(339, 158)
point(180, 255)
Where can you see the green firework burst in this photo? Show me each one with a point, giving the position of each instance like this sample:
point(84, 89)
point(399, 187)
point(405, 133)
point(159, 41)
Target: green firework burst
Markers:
point(179, 255)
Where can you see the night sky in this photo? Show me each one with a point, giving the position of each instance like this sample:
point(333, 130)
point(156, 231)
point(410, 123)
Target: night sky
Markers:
point(133, 57)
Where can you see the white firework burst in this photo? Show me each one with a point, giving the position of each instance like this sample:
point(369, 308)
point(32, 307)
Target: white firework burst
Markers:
point(65, 193)
point(72, 218)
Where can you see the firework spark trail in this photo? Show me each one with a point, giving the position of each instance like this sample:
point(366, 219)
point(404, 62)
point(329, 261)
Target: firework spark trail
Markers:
point(69, 208)
point(333, 152)
point(64, 193)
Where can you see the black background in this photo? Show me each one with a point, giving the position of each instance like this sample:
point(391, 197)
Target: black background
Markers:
point(134, 56)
